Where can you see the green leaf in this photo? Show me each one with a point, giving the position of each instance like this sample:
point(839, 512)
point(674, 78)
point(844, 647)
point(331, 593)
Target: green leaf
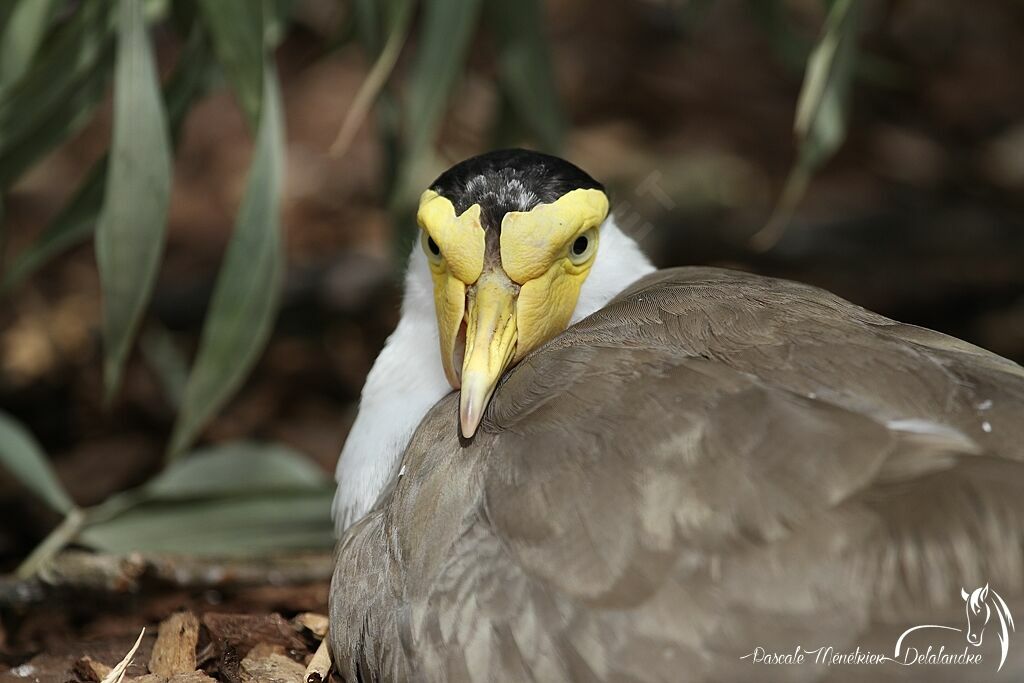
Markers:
point(22, 33)
point(376, 24)
point(524, 69)
point(237, 30)
point(773, 17)
point(445, 34)
point(448, 26)
point(68, 56)
point(71, 227)
point(368, 21)
point(376, 79)
point(277, 14)
point(77, 219)
point(240, 498)
point(238, 469)
point(245, 299)
point(22, 457)
point(133, 222)
point(188, 81)
point(821, 112)
point(61, 89)
point(6, 10)
point(219, 527)
point(820, 122)
point(373, 21)
point(52, 127)
point(166, 361)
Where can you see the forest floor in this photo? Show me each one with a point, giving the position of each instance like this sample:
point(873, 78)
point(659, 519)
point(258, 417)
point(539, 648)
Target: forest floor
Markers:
point(227, 625)
point(919, 217)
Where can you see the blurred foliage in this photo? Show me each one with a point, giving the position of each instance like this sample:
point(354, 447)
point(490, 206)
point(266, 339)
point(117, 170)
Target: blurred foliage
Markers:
point(235, 499)
point(132, 223)
point(58, 59)
point(249, 285)
point(62, 77)
point(821, 111)
point(23, 457)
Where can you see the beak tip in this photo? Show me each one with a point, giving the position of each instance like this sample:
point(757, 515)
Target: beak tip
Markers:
point(468, 421)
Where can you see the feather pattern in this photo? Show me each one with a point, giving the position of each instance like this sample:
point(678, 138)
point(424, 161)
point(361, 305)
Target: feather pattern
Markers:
point(713, 461)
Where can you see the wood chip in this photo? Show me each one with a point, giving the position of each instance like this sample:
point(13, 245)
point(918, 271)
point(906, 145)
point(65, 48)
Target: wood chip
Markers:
point(245, 631)
point(275, 668)
point(191, 677)
point(314, 623)
point(88, 669)
point(175, 648)
point(264, 650)
point(319, 666)
point(148, 678)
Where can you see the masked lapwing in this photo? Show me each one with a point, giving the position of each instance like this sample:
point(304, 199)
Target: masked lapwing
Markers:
point(568, 466)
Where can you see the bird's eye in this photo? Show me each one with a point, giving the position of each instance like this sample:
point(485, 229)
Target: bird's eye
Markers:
point(583, 247)
point(430, 247)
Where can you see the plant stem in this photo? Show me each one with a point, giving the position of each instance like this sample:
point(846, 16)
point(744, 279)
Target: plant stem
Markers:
point(52, 544)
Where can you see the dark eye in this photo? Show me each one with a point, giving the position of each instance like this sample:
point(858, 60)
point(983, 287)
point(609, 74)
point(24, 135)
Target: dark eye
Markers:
point(432, 246)
point(583, 247)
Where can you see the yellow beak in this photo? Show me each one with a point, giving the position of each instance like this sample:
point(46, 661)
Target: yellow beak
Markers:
point(491, 338)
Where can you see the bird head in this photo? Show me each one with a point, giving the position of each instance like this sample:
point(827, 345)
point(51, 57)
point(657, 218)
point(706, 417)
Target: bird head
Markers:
point(509, 237)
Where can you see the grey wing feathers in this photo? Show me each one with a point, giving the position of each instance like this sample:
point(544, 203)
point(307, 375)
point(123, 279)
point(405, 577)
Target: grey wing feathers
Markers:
point(712, 462)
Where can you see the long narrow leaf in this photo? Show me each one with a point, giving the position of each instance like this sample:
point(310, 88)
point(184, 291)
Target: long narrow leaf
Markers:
point(447, 28)
point(72, 53)
point(61, 89)
point(20, 38)
point(369, 24)
point(133, 222)
point(243, 470)
point(374, 24)
point(237, 30)
point(77, 219)
point(524, 69)
point(221, 527)
point(22, 457)
point(248, 289)
point(72, 226)
point(237, 469)
point(166, 362)
point(6, 10)
point(53, 126)
point(276, 15)
point(376, 79)
point(820, 122)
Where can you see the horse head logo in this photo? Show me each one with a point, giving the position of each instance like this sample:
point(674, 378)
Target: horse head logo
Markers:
point(981, 604)
point(978, 613)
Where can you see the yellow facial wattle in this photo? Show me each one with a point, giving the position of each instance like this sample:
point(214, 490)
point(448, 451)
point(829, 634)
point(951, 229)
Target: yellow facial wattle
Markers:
point(536, 253)
point(460, 238)
point(511, 308)
point(458, 263)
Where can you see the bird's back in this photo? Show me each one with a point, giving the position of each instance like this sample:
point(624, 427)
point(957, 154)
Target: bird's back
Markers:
point(712, 463)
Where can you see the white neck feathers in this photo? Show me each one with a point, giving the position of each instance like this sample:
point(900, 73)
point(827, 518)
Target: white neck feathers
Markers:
point(407, 379)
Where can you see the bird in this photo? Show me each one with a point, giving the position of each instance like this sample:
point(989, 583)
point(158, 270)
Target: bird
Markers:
point(567, 465)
